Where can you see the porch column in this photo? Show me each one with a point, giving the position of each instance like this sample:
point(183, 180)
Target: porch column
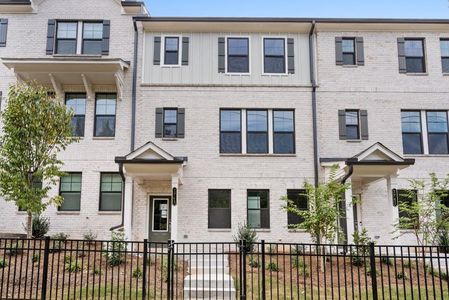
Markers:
point(128, 208)
point(349, 212)
point(174, 208)
point(392, 184)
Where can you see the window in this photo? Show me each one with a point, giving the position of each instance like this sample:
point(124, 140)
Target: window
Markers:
point(299, 198)
point(411, 132)
point(70, 191)
point(66, 37)
point(348, 46)
point(77, 103)
point(407, 197)
point(257, 131)
point(105, 109)
point(258, 208)
point(444, 44)
point(219, 208)
point(110, 192)
point(443, 208)
point(170, 122)
point(171, 51)
point(437, 132)
point(274, 55)
point(3, 32)
point(352, 125)
point(283, 132)
point(238, 55)
point(92, 38)
point(414, 55)
point(230, 131)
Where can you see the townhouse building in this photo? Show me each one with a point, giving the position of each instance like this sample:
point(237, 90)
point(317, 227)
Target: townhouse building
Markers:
point(191, 127)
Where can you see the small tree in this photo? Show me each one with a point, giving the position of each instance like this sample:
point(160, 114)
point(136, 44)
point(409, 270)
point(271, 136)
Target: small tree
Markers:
point(424, 214)
point(36, 128)
point(321, 219)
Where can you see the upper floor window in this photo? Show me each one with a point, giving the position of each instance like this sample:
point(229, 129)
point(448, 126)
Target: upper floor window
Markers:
point(411, 132)
point(348, 47)
point(70, 191)
point(238, 55)
point(3, 32)
point(349, 51)
point(110, 192)
point(77, 104)
point(414, 55)
point(171, 51)
point(105, 110)
point(437, 131)
point(257, 131)
point(283, 131)
point(92, 38)
point(444, 45)
point(66, 38)
point(274, 55)
point(230, 131)
point(352, 125)
point(170, 122)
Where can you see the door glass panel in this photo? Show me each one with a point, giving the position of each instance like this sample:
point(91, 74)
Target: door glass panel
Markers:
point(160, 215)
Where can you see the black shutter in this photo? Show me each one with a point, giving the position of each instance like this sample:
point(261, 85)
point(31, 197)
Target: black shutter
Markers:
point(3, 32)
point(360, 51)
point(159, 122)
point(181, 123)
point(157, 50)
point(291, 55)
point(401, 56)
point(106, 35)
point(51, 31)
point(339, 51)
point(185, 51)
point(342, 124)
point(221, 55)
point(364, 124)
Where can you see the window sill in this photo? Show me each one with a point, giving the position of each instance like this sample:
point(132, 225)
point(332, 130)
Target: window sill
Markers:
point(256, 155)
point(262, 230)
point(275, 75)
point(77, 55)
point(21, 213)
point(417, 74)
point(104, 138)
point(171, 66)
point(170, 139)
point(219, 230)
point(426, 155)
point(350, 66)
point(354, 141)
point(237, 74)
point(445, 74)
point(109, 213)
point(73, 213)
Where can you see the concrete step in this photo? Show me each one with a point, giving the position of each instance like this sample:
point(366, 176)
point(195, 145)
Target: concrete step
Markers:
point(217, 293)
point(207, 281)
point(211, 258)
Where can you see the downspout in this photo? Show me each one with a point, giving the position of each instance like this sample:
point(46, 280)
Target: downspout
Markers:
point(347, 175)
point(314, 105)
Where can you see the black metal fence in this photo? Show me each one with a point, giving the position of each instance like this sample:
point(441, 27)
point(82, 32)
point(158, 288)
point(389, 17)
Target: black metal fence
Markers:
point(78, 269)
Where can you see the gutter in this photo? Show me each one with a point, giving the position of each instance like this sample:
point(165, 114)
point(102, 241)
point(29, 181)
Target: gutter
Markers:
point(314, 106)
point(349, 174)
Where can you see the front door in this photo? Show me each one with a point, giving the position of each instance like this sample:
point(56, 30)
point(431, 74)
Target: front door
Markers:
point(160, 219)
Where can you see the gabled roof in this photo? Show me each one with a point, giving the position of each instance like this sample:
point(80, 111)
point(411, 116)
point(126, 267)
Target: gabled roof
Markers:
point(150, 153)
point(378, 154)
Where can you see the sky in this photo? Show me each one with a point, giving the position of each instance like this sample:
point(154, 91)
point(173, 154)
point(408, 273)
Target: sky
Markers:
point(301, 8)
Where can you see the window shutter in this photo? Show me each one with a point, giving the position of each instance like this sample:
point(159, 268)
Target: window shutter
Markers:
point(364, 124)
point(401, 55)
point(342, 124)
point(181, 123)
point(339, 50)
point(159, 122)
point(185, 51)
point(157, 50)
point(106, 35)
point(291, 55)
point(3, 32)
point(51, 31)
point(360, 51)
point(221, 55)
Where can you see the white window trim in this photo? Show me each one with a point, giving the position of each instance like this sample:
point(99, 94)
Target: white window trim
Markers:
point(168, 214)
point(163, 37)
point(285, 55)
point(249, 54)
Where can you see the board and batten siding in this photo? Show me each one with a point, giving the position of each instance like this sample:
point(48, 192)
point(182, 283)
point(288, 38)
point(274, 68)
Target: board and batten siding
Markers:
point(203, 62)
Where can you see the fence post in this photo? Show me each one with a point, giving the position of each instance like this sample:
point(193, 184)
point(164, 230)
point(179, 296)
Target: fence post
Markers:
point(263, 292)
point(144, 269)
point(169, 268)
point(372, 259)
point(242, 248)
point(45, 270)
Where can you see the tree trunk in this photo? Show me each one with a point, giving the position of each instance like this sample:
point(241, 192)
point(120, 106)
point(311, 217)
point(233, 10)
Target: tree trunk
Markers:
point(29, 226)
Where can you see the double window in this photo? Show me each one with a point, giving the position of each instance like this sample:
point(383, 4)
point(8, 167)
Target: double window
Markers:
point(238, 55)
point(70, 191)
point(258, 205)
point(414, 55)
point(110, 192)
point(171, 50)
point(77, 104)
point(267, 131)
point(219, 209)
point(274, 55)
point(444, 45)
point(299, 199)
point(91, 40)
point(407, 198)
point(105, 110)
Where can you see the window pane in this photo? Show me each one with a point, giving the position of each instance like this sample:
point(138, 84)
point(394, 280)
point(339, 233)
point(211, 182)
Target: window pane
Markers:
point(219, 199)
point(254, 220)
point(170, 130)
point(254, 202)
point(93, 31)
point(352, 118)
point(445, 62)
point(238, 64)
point(110, 201)
point(348, 59)
point(352, 132)
point(444, 44)
point(160, 215)
point(230, 142)
point(438, 143)
point(76, 102)
point(105, 126)
point(257, 120)
point(105, 106)
point(257, 142)
point(171, 44)
point(230, 120)
point(411, 143)
point(437, 121)
point(111, 183)
point(66, 46)
point(171, 58)
point(283, 121)
point(283, 143)
point(348, 45)
point(170, 116)
point(67, 30)
point(71, 202)
point(92, 47)
point(219, 218)
point(411, 121)
point(78, 125)
point(414, 48)
point(274, 64)
point(415, 65)
point(274, 47)
point(238, 46)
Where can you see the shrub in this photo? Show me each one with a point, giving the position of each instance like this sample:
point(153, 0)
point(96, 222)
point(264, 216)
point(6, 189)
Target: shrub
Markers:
point(73, 267)
point(114, 252)
point(58, 241)
point(408, 265)
point(137, 273)
point(41, 226)
point(443, 241)
point(90, 237)
point(164, 269)
point(248, 234)
point(14, 248)
point(297, 250)
point(272, 249)
point(60, 236)
point(401, 275)
point(253, 263)
point(357, 261)
point(387, 261)
point(444, 276)
point(35, 258)
point(3, 264)
point(96, 272)
point(272, 267)
point(67, 259)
